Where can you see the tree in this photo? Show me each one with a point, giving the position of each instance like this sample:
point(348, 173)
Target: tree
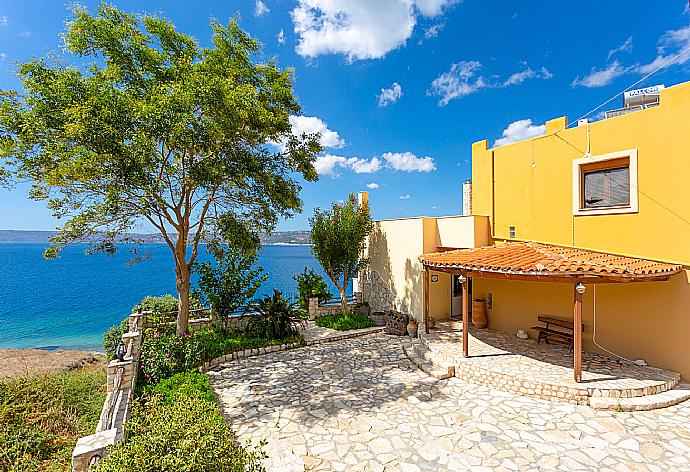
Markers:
point(231, 281)
point(338, 238)
point(157, 129)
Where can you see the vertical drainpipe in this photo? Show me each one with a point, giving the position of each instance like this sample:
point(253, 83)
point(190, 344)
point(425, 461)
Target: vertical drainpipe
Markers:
point(493, 199)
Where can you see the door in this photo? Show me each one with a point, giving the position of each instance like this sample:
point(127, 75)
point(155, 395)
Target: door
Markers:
point(456, 298)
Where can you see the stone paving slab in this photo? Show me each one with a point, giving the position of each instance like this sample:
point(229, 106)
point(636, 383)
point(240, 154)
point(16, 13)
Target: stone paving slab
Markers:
point(359, 404)
point(500, 354)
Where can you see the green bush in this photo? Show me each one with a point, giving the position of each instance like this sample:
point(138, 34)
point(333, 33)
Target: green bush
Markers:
point(310, 284)
point(111, 338)
point(350, 320)
point(163, 355)
point(275, 318)
point(41, 417)
point(164, 307)
point(187, 434)
point(181, 385)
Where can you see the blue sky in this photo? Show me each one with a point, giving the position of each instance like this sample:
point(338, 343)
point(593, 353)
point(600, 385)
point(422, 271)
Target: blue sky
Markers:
point(400, 89)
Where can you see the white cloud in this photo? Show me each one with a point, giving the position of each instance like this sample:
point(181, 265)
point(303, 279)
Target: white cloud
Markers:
point(463, 79)
point(408, 162)
point(4, 20)
point(405, 197)
point(519, 77)
point(625, 47)
point(281, 36)
point(458, 82)
point(519, 130)
point(359, 29)
point(3, 56)
point(24, 34)
point(312, 124)
point(601, 77)
point(261, 8)
point(433, 30)
point(670, 44)
point(326, 165)
point(373, 185)
point(390, 95)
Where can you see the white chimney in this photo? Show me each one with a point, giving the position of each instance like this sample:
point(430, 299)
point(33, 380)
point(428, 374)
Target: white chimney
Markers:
point(467, 198)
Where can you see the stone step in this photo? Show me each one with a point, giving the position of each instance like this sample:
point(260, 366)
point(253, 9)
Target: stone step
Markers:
point(420, 357)
point(678, 394)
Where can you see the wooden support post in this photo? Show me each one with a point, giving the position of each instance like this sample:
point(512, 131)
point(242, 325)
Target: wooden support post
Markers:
point(577, 333)
point(465, 318)
point(426, 299)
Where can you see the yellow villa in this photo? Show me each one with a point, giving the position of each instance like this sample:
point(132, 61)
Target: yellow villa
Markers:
point(585, 226)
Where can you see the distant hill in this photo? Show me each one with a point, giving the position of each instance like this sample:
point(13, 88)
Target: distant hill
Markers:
point(20, 236)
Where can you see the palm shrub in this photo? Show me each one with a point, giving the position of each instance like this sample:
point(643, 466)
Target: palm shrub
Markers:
point(310, 284)
point(275, 317)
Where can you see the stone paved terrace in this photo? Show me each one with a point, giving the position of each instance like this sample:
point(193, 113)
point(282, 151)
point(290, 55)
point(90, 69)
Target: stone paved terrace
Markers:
point(359, 404)
point(502, 360)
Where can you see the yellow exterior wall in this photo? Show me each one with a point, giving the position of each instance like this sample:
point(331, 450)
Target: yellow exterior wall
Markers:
point(528, 185)
point(395, 245)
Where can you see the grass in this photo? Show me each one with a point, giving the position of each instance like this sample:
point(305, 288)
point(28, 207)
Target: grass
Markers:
point(348, 321)
point(42, 416)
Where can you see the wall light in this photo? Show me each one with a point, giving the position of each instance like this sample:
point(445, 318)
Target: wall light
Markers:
point(462, 279)
point(580, 288)
point(434, 278)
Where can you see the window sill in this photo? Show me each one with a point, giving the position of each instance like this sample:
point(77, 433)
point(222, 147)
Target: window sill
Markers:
point(605, 211)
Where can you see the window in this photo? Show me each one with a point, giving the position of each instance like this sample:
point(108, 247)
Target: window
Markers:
point(605, 184)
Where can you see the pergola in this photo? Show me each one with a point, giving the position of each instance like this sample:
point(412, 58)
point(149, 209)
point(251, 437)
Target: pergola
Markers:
point(540, 262)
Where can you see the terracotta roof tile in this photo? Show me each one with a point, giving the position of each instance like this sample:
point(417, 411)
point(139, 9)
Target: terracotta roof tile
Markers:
point(547, 259)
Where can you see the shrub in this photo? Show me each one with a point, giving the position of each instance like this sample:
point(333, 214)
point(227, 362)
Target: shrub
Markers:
point(231, 281)
point(350, 320)
point(111, 338)
point(181, 385)
point(187, 434)
point(275, 318)
point(310, 284)
point(164, 306)
point(165, 355)
point(41, 417)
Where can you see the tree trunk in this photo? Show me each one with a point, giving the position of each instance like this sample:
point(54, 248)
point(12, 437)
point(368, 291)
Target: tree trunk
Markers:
point(343, 297)
point(182, 280)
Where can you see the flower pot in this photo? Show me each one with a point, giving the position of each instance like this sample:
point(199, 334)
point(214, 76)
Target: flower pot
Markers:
point(412, 327)
point(432, 323)
point(479, 319)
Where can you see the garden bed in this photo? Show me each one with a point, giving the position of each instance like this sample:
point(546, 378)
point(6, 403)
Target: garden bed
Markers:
point(344, 322)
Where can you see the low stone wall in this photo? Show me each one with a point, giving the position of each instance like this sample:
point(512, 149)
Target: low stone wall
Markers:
point(321, 309)
point(121, 382)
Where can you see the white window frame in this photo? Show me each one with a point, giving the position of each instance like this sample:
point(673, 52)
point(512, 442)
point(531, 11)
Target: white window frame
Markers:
point(631, 154)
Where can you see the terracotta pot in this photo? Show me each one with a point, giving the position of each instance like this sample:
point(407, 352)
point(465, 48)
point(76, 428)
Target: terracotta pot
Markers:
point(412, 328)
point(479, 319)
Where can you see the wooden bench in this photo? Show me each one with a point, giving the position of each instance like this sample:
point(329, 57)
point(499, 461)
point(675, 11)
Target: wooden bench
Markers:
point(548, 333)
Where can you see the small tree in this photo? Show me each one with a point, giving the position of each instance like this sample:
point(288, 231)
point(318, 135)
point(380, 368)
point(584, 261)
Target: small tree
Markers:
point(156, 129)
point(231, 281)
point(310, 284)
point(338, 238)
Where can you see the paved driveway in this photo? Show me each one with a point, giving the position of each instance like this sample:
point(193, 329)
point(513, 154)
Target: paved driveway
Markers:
point(359, 404)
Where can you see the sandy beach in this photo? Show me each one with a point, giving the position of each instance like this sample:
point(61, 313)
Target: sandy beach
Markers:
point(25, 362)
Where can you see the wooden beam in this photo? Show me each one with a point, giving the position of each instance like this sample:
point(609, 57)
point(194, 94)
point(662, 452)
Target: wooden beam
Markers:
point(577, 333)
point(465, 318)
point(427, 273)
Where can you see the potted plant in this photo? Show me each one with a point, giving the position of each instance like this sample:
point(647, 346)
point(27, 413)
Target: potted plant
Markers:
point(479, 319)
point(432, 322)
point(412, 327)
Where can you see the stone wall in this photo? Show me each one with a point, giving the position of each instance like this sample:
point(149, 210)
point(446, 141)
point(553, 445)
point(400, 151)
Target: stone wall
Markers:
point(379, 295)
point(121, 382)
point(331, 307)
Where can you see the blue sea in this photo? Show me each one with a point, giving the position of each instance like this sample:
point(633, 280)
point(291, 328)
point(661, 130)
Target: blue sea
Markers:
point(69, 302)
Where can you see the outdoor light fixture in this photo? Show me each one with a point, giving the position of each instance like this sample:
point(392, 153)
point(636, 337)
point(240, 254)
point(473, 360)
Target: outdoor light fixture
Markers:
point(120, 351)
point(462, 279)
point(580, 288)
